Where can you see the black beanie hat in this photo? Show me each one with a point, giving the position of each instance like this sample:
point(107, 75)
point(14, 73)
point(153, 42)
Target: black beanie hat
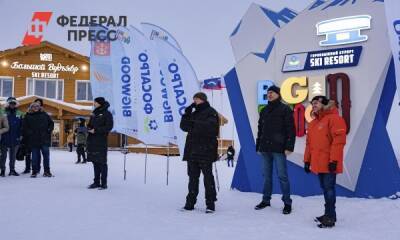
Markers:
point(40, 101)
point(323, 99)
point(100, 100)
point(201, 96)
point(81, 122)
point(12, 100)
point(275, 89)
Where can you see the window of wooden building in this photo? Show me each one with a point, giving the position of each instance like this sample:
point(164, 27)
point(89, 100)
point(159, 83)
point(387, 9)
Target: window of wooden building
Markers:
point(6, 87)
point(49, 88)
point(83, 91)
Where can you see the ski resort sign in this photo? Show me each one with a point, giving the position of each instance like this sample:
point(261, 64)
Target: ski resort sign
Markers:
point(316, 60)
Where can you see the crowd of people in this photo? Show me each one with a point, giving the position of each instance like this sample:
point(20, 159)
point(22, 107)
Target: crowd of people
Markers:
point(326, 138)
point(27, 136)
point(323, 154)
point(276, 137)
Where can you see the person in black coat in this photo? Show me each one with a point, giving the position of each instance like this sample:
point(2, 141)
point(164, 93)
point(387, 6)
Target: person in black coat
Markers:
point(201, 149)
point(275, 140)
point(99, 126)
point(81, 138)
point(37, 128)
point(230, 153)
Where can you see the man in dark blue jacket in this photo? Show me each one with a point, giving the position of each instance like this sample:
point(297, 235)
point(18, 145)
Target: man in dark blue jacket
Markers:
point(275, 141)
point(11, 139)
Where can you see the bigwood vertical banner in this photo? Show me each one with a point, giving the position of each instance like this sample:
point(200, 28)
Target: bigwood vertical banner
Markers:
point(153, 31)
point(178, 76)
point(181, 83)
point(162, 107)
point(153, 122)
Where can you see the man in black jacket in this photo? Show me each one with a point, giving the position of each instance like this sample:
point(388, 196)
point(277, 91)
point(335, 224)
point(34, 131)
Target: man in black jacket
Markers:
point(37, 128)
point(275, 140)
point(99, 126)
point(201, 149)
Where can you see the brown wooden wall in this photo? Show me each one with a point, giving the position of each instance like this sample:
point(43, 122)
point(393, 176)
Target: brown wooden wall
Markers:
point(33, 57)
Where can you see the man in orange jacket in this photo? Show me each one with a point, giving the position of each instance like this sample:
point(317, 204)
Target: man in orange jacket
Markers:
point(326, 137)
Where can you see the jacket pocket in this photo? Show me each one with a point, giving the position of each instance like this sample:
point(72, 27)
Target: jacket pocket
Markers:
point(278, 138)
point(97, 156)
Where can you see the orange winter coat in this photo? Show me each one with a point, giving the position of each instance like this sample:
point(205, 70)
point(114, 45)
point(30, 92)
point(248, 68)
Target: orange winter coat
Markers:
point(326, 137)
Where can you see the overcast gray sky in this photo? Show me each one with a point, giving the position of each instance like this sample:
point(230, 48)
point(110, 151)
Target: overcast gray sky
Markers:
point(202, 28)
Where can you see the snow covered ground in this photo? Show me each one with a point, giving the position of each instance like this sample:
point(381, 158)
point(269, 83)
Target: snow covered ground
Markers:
point(62, 208)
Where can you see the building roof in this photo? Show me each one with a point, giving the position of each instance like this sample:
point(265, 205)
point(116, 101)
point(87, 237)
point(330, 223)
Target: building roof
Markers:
point(23, 49)
point(58, 104)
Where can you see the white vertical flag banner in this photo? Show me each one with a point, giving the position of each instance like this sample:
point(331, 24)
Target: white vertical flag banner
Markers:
point(101, 79)
point(154, 115)
point(392, 8)
point(123, 91)
point(152, 32)
point(181, 82)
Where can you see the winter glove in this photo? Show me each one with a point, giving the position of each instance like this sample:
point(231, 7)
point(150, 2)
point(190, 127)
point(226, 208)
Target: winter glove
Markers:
point(189, 109)
point(307, 167)
point(332, 166)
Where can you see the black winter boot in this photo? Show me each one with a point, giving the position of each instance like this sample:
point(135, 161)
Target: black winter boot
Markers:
point(287, 209)
point(262, 205)
point(13, 173)
point(210, 207)
point(93, 186)
point(188, 207)
point(2, 173)
point(320, 218)
point(327, 222)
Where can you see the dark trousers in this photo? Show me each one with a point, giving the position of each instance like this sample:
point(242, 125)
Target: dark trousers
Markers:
point(28, 161)
point(328, 182)
point(80, 150)
point(230, 162)
point(100, 173)
point(36, 158)
point(3, 157)
point(194, 169)
point(70, 145)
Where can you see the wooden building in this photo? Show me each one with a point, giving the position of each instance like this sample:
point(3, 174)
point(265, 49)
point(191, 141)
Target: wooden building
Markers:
point(56, 74)
point(61, 78)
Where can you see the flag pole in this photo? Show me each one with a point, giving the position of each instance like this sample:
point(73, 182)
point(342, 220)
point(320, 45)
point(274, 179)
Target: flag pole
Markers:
point(222, 110)
point(216, 174)
point(167, 163)
point(125, 152)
